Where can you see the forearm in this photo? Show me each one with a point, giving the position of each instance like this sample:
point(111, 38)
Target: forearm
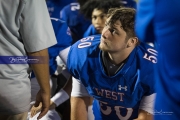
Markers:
point(79, 108)
point(41, 70)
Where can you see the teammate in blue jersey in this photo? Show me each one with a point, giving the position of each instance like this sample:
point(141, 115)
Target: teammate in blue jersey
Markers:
point(115, 69)
point(76, 21)
point(97, 14)
point(159, 22)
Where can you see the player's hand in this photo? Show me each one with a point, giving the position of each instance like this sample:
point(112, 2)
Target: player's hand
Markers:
point(35, 110)
point(44, 98)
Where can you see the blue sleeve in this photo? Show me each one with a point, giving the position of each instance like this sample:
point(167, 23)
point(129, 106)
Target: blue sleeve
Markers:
point(63, 15)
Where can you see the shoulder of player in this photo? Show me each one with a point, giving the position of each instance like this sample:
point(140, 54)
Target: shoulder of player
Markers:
point(83, 51)
point(146, 48)
point(147, 53)
point(86, 45)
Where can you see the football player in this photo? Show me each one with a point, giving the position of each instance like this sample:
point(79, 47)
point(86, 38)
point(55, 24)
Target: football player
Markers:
point(115, 69)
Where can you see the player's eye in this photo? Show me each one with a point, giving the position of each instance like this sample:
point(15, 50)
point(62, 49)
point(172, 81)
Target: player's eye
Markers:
point(113, 31)
point(94, 17)
point(103, 16)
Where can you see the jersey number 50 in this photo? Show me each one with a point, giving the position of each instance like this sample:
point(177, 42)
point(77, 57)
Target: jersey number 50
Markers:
point(151, 58)
point(85, 43)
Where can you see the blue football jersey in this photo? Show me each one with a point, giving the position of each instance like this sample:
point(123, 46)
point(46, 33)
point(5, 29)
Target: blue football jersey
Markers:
point(116, 97)
point(159, 22)
point(76, 21)
point(90, 31)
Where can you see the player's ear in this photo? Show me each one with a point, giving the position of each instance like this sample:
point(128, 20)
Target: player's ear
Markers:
point(132, 41)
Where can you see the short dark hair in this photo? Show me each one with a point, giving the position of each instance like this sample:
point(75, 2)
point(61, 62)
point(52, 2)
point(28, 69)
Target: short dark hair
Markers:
point(103, 5)
point(127, 18)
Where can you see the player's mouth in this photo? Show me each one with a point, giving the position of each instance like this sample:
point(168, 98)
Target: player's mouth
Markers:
point(99, 28)
point(103, 41)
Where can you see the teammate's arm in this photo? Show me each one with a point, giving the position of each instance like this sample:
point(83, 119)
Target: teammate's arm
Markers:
point(42, 74)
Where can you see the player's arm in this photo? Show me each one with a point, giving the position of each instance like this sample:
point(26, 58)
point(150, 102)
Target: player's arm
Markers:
point(42, 74)
point(146, 108)
point(80, 101)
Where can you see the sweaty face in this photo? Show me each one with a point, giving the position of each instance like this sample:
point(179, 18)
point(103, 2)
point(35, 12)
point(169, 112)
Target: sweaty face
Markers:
point(98, 20)
point(113, 39)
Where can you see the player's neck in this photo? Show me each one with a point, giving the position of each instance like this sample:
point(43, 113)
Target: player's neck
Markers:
point(109, 67)
point(119, 57)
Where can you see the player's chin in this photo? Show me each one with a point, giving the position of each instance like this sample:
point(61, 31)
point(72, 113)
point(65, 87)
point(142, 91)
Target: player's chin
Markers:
point(103, 46)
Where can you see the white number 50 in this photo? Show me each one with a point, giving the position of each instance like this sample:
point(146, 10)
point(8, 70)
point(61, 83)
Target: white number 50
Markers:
point(151, 57)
